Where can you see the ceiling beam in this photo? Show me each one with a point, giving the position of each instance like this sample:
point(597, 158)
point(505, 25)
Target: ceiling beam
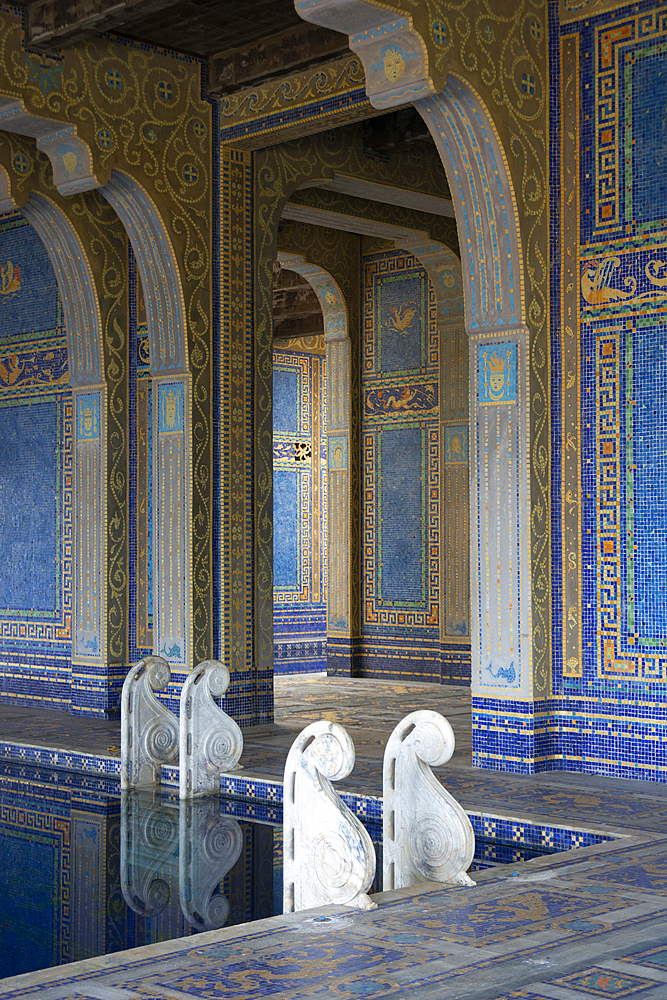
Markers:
point(347, 223)
point(358, 188)
point(53, 24)
point(285, 52)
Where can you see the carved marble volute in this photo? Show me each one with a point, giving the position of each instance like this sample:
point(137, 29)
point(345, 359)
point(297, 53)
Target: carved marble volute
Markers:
point(427, 836)
point(210, 846)
point(211, 741)
point(328, 855)
point(148, 851)
point(149, 731)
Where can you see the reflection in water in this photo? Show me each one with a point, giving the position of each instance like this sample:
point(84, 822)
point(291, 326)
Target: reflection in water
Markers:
point(210, 845)
point(148, 851)
point(169, 851)
point(83, 873)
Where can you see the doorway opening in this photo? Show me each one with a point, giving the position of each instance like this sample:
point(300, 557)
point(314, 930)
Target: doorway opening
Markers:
point(299, 477)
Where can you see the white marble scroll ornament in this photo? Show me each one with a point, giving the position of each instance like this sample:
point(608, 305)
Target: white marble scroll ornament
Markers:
point(328, 855)
point(427, 836)
point(211, 741)
point(148, 851)
point(209, 847)
point(148, 730)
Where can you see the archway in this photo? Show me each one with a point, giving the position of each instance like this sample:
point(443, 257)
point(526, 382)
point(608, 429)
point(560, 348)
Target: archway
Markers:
point(337, 345)
point(499, 416)
point(81, 313)
point(165, 313)
point(493, 270)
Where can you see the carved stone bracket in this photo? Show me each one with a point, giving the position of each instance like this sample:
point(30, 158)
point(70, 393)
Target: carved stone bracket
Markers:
point(427, 836)
point(148, 851)
point(149, 731)
point(328, 855)
point(211, 741)
point(71, 158)
point(394, 54)
point(209, 847)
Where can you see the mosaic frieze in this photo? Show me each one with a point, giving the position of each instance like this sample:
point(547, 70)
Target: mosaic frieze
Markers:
point(40, 365)
point(401, 401)
point(623, 284)
point(575, 10)
point(291, 106)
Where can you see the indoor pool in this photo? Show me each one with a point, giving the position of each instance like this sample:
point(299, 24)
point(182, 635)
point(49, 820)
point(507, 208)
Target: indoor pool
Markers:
point(86, 871)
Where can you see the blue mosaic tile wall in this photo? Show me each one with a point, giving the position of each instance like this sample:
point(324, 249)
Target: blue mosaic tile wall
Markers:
point(29, 495)
point(299, 510)
point(400, 490)
point(35, 476)
point(608, 711)
point(401, 473)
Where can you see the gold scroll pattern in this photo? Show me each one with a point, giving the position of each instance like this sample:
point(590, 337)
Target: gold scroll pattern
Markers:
point(570, 361)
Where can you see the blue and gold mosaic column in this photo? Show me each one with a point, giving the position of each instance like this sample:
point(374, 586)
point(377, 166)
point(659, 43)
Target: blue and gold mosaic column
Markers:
point(171, 509)
point(89, 618)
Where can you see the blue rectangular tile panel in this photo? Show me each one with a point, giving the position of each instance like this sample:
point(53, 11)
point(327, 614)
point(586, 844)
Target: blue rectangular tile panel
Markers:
point(29, 506)
point(285, 528)
point(28, 288)
point(401, 321)
point(286, 400)
point(401, 515)
point(650, 485)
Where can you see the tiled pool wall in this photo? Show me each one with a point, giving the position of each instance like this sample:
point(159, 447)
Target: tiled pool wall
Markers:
point(261, 800)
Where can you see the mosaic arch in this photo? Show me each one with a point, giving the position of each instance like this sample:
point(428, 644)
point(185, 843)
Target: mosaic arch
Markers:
point(396, 65)
point(337, 342)
point(500, 405)
point(86, 376)
point(165, 313)
point(163, 294)
point(73, 172)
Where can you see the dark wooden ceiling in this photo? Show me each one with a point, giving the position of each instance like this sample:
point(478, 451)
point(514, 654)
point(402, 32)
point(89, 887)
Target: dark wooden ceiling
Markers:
point(204, 27)
point(244, 41)
point(199, 27)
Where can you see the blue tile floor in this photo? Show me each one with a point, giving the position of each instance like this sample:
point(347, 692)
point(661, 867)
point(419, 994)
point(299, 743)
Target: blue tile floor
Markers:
point(580, 924)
